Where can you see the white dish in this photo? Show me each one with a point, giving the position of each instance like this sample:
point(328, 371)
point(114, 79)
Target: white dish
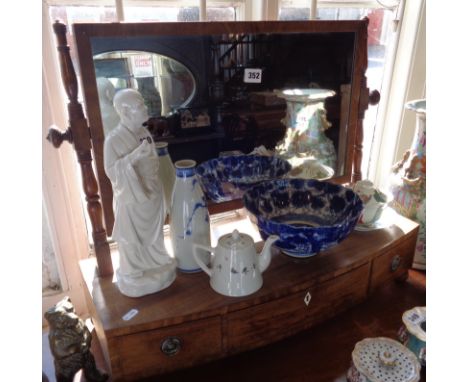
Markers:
point(386, 220)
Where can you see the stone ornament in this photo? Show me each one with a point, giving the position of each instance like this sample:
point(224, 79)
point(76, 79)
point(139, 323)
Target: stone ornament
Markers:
point(70, 344)
point(132, 165)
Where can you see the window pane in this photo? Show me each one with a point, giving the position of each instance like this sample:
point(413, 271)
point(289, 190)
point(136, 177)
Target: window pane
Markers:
point(379, 38)
point(80, 14)
point(136, 14)
point(294, 10)
point(50, 276)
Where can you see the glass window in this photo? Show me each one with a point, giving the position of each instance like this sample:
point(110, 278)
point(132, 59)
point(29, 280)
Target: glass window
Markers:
point(294, 10)
point(378, 43)
point(379, 38)
point(50, 275)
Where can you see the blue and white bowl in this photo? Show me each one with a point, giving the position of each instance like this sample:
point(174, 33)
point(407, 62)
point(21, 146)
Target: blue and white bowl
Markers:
point(226, 178)
point(308, 215)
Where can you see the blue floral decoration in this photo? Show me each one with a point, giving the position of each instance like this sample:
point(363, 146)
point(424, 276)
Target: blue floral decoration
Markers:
point(226, 178)
point(309, 216)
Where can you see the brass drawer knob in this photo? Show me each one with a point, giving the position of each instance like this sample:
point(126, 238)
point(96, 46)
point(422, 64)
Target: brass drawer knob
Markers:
point(171, 346)
point(396, 260)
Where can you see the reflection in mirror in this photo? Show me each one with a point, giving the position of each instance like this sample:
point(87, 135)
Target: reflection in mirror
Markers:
point(165, 84)
point(208, 95)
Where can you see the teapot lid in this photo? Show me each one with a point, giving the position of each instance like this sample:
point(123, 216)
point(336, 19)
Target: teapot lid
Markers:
point(383, 359)
point(236, 240)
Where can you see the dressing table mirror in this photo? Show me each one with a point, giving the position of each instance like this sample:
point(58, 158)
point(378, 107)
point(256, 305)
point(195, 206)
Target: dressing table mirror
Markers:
point(193, 79)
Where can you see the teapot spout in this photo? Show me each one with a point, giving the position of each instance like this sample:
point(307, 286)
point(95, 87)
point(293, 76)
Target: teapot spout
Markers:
point(265, 256)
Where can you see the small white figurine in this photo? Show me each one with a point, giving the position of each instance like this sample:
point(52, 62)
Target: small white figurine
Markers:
point(131, 163)
point(106, 91)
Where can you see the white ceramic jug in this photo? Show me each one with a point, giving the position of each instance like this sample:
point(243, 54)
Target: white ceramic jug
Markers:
point(189, 219)
point(236, 268)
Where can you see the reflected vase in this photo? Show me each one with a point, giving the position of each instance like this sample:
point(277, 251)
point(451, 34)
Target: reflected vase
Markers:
point(166, 173)
point(306, 123)
point(189, 219)
point(408, 182)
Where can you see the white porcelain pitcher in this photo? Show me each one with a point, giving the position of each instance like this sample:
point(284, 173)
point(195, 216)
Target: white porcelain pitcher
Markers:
point(236, 268)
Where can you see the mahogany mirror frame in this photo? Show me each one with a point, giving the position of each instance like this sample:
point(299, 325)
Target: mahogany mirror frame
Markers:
point(84, 143)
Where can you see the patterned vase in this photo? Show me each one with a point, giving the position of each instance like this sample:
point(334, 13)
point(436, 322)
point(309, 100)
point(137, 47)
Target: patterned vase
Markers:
point(306, 123)
point(166, 173)
point(408, 182)
point(189, 219)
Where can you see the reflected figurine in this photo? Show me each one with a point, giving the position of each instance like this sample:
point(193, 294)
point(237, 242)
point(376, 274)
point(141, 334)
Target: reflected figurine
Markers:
point(132, 164)
point(106, 91)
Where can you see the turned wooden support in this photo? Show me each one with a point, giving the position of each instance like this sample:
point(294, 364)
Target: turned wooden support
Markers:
point(78, 135)
point(365, 99)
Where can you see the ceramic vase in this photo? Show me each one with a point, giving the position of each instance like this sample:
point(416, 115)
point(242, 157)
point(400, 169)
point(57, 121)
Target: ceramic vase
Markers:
point(412, 333)
point(306, 123)
point(408, 182)
point(166, 173)
point(189, 219)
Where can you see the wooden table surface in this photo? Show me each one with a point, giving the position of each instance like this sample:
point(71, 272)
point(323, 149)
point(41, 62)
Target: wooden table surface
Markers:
point(321, 354)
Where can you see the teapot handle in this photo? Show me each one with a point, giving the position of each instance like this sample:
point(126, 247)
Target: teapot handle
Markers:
point(197, 259)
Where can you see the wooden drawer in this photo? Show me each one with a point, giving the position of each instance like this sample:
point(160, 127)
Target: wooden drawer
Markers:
point(263, 324)
point(140, 355)
point(393, 263)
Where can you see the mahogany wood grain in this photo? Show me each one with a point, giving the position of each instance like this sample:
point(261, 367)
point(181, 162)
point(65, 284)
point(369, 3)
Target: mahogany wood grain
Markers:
point(360, 78)
point(337, 278)
point(190, 297)
point(322, 353)
point(286, 316)
point(78, 134)
point(141, 356)
point(393, 264)
point(319, 354)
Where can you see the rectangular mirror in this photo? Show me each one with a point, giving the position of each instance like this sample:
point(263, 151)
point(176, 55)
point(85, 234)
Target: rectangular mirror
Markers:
point(216, 88)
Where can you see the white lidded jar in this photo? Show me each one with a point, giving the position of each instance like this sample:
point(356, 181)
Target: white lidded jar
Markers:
point(166, 173)
point(189, 219)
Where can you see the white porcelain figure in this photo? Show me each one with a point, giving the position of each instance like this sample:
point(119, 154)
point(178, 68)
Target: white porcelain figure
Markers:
point(236, 268)
point(106, 91)
point(374, 202)
point(189, 219)
point(166, 173)
point(131, 163)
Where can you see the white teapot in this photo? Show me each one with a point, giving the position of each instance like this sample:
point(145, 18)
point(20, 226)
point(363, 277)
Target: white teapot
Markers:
point(236, 268)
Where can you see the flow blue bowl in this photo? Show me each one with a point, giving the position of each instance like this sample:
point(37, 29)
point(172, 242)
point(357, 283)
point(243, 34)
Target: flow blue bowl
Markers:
point(227, 178)
point(308, 215)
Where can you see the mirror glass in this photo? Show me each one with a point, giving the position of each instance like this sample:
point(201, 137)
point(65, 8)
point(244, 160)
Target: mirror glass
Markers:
point(221, 94)
point(165, 84)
